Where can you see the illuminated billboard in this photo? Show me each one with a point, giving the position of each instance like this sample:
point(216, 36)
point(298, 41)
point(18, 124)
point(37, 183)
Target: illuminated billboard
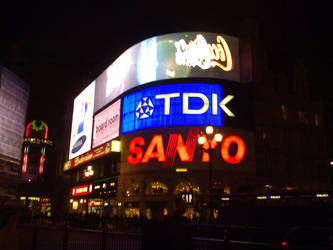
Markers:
point(175, 105)
point(177, 147)
point(106, 124)
point(82, 122)
point(171, 56)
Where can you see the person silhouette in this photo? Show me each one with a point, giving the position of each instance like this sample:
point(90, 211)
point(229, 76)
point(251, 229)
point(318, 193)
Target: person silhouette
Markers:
point(179, 228)
point(155, 231)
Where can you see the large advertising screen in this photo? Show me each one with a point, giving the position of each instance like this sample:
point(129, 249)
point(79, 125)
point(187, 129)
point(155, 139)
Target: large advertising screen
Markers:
point(82, 122)
point(171, 56)
point(106, 124)
point(173, 105)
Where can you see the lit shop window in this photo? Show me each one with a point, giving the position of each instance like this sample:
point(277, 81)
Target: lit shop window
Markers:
point(132, 189)
point(156, 188)
point(186, 187)
point(284, 112)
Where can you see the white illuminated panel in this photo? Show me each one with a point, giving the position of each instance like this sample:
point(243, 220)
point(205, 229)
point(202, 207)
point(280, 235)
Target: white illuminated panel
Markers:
point(106, 124)
point(82, 122)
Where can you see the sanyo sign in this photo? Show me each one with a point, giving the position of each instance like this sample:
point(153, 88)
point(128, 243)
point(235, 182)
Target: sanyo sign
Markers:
point(175, 105)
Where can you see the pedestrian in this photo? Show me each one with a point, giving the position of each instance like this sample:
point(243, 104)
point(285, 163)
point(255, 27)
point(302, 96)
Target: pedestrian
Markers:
point(179, 228)
point(155, 231)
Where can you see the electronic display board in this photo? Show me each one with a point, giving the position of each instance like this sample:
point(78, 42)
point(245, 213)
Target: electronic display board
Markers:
point(174, 105)
point(170, 56)
point(82, 122)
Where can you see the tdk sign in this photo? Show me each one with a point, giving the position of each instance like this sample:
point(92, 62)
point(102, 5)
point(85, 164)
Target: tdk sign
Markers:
point(194, 104)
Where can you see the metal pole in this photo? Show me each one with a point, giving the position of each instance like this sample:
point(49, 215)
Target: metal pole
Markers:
point(210, 151)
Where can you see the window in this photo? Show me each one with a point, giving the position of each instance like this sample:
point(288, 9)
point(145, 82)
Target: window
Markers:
point(284, 112)
point(316, 120)
point(156, 188)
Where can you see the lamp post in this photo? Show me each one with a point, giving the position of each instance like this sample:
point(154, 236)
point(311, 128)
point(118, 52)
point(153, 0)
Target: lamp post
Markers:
point(212, 140)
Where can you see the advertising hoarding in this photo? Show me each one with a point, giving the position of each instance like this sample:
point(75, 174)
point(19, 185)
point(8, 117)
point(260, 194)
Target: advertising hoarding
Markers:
point(174, 105)
point(106, 124)
point(171, 56)
point(81, 132)
point(160, 149)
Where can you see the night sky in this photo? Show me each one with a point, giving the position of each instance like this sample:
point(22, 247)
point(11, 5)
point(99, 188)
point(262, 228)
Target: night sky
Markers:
point(59, 51)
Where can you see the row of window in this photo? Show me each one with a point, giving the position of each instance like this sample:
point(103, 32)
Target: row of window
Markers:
point(160, 188)
point(302, 117)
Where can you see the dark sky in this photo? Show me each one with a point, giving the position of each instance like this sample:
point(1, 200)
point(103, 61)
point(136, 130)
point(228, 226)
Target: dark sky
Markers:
point(59, 51)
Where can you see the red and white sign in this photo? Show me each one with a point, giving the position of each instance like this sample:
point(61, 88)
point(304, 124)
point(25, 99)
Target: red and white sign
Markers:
point(82, 190)
point(106, 124)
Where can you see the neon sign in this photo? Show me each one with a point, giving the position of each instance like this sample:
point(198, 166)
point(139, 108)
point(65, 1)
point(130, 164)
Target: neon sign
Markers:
point(175, 105)
point(185, 151)
point(42, 126)
point(200, 53)
point(82, 190)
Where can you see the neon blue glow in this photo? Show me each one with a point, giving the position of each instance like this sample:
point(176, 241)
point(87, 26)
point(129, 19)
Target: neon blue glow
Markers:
point(143, 110)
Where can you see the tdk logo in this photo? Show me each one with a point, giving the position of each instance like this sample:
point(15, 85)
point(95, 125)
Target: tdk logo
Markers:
point(145, 108)
point(175, 105)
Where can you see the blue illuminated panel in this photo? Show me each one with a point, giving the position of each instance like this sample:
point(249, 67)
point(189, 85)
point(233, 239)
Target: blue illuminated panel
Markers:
point(172, 105)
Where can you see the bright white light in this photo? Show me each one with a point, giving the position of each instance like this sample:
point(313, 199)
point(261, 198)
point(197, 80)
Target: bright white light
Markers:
point(89, 168)
point(218, 137)
point(117, 72)
point(147, 61)
point(209, 130)
point(201, 140)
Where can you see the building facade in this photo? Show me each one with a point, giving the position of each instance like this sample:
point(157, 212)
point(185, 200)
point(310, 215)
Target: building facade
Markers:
point(134, 133)
point(14, 96)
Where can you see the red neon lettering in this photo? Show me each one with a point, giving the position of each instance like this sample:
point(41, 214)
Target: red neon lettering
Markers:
point(226, 146)
point(24, 165)
point(213, 145)
point(156, 142)
point(41, 163)
point(176, 144)
point(136, 150)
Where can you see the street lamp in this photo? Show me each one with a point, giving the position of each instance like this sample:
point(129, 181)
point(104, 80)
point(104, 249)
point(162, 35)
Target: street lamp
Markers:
point(211, 139)
point(89, 171)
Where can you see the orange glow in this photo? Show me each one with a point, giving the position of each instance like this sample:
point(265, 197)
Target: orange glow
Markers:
point(240, 149)
point(136, 150)
point(221, 53)
point(24, 165)
point(156, 142)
